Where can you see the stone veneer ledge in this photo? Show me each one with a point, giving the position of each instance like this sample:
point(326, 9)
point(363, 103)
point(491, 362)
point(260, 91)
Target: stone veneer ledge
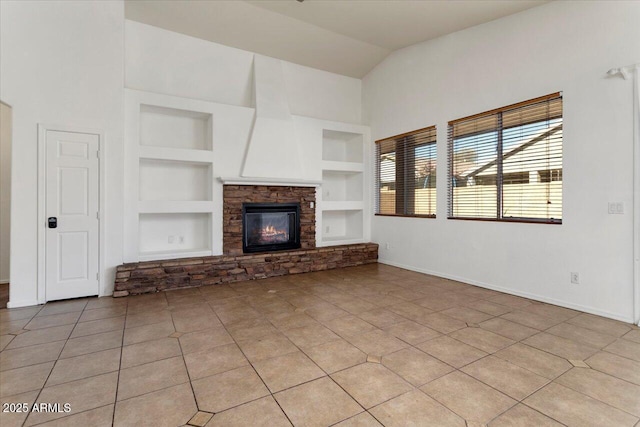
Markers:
point(154, 276)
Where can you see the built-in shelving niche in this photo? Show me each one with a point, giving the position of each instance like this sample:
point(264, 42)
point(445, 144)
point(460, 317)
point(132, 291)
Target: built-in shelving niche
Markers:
point(343, 188)
point(174, 168)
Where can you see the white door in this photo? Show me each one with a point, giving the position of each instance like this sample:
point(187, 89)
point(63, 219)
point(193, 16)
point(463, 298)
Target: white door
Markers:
point(71, 253)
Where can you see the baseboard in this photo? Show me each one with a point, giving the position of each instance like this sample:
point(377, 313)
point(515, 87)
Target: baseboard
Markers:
point(4, 281)
point(17, 304)
point(541, 298)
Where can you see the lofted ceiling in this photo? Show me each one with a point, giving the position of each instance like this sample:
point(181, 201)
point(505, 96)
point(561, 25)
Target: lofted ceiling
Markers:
point(346, 37)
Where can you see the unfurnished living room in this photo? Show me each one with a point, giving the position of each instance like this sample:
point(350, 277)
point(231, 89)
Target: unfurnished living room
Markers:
point(319, 213)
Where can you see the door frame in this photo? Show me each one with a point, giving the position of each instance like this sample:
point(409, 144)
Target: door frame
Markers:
point(42, 173)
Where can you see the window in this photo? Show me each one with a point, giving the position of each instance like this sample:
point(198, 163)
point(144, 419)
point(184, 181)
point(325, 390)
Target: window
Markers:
point(406, 174)
point(506, 164)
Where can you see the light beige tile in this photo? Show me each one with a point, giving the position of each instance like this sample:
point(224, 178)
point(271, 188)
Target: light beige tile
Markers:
point(261, 329)
point(416, 409)
point(534, 360)
point(336, 355)
point(453, 352)
point(58, 307)
point(523, 416)
point(150, 332)
point(210, 362)
point(600, 324)
point(363, 419)
point(441, 322)
point(151, 377)
point(617, 366)
point(551, 311)
point(310, 336)
point(8, 315)
point(263, 412)
point(411, 332)
point(188, 322)
point(576, 409)
point(228, 389)
point(581, 335)
point(41, 336)
point(21, 380)
point(32, 355)
point(468, 397)
point(508, 329)
point(467, 314)
point(531, 320)
point(510, 301)
point(287, 371)
point(381, 317)
point(88, 365)
point(103, 313)
point(17, 417)
point(91, 344)
point(152, 410)
point(99, 417)
point(489, 307)
point(5, 340)
point(200, 419)
point(506, 377)
point(13, 326)
point(377, 342)
point(559, 346)
point(355, 306)
point(624, 348)
point(204, 340)
point(322, 313)
point(416, 367)
point(409, 310)
point(81, 395)
point(484, 340)
point(317, 403)
point(50, 321)
point(633, 335)
point(292, 320)
point(349, 325)
point(147, 318)
point(610, 390)
point(98, 326)
point(149, 351)
point(371, 384)
point(267, 347)
point(104, 302)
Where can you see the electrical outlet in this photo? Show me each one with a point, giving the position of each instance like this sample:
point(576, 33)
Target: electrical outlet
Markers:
point(181, 239)
point(327, 229)
point(312, 205)
point(387, 246)
point(171, 239)
point(575, 278)
point(616, 208)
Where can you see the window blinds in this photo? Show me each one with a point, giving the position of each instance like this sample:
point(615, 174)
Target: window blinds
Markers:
point(406, 174)
point(506, 164)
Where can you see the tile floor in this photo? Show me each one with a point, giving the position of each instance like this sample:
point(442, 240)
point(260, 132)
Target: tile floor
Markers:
point(365, 346)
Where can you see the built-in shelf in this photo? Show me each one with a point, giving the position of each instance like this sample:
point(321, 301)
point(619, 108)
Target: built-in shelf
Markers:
point(170, 183)
point(176, 154)
point(342, 206)
point(342, 192)
point(346, 167)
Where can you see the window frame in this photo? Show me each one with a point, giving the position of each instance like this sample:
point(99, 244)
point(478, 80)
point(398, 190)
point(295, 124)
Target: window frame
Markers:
point(403, 173)
point(498, 162)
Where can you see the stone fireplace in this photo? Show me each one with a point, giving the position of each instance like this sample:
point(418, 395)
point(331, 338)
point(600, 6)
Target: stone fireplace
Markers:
point(236, 198)
point(270, 227)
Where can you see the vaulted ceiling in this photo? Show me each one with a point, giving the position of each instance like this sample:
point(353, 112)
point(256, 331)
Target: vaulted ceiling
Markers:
point(345, 37)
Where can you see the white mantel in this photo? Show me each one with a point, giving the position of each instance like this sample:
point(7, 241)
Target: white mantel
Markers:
point(268, 181)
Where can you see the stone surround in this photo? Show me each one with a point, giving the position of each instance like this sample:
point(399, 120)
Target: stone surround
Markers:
point(235, 195)
point(154, 276)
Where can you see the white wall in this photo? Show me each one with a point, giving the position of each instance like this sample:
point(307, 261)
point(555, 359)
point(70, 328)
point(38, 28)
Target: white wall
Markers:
point(5, 190)
point(561, 46)
point(169, 63)
point(61, 64)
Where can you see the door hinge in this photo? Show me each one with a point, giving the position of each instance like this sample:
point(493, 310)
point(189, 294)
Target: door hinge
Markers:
point(98, 154)
point(97, 215)
point(98, 276)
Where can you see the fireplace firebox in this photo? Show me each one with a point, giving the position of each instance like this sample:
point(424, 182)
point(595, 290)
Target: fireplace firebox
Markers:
point(270, 226)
